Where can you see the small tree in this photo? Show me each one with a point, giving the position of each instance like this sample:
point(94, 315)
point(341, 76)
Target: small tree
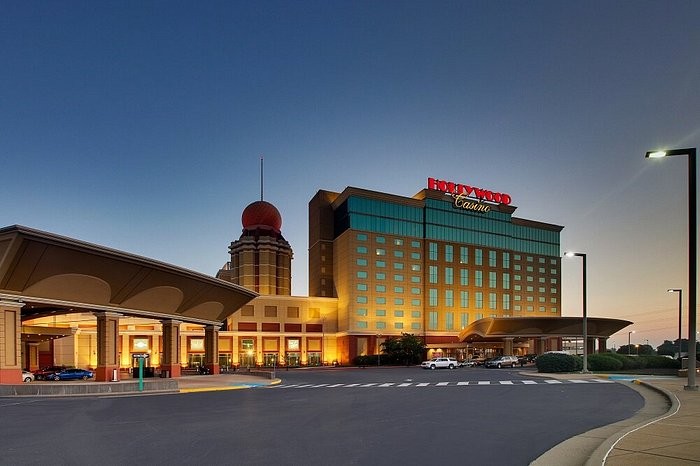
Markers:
point(407, 349)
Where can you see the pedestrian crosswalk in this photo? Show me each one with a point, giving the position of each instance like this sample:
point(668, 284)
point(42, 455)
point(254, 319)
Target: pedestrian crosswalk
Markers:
point(469, 383)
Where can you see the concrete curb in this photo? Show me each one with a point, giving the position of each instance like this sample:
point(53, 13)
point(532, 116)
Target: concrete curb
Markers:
point(592, 447)
point(600, 455)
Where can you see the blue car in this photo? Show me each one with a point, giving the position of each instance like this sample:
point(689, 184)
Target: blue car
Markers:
point(71, 374)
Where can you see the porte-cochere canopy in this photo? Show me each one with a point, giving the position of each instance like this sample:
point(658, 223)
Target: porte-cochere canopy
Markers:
point(533, 327)
point(53, 274)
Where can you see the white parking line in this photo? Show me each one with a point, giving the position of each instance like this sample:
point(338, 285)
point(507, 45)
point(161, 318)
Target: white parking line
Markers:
point(505, 382)
point(368, 384)
point(552, 381)
point(442, 384)
point(462, 383)
point(422, 385)
point(529, 382)
point(404, 384)
point(484, 382)
point(387, 384)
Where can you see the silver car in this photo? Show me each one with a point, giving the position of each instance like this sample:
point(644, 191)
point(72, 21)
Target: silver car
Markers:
point(440, 363)
point(502, 361)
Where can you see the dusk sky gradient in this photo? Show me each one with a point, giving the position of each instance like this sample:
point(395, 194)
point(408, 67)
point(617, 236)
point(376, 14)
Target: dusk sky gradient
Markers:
point(139, 125)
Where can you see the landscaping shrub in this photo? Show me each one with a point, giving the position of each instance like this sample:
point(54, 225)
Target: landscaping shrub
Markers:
point(603, 362)
point(558, 362)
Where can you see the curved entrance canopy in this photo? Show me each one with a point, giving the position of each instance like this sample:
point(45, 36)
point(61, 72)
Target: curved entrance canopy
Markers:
point(50, 274)
point(43, 274)
point(496, 328)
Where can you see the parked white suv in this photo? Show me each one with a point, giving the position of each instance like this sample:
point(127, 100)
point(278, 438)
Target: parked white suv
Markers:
point(440, 363)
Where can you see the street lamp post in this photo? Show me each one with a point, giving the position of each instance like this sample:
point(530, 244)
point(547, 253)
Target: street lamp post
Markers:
point(692, 256)
point(585, 311)
point(680, 320)
point(629, 342)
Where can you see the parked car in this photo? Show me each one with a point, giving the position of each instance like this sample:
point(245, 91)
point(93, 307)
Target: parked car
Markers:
point(502, 361)
point(71, 374)
point(27, 376)
point(41, 374)
point(467, 363)
point(440, 363)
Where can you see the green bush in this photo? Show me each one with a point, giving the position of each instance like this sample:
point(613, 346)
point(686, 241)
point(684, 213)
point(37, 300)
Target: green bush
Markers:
point(603, 362)
point(642, 362)
point(558, 362)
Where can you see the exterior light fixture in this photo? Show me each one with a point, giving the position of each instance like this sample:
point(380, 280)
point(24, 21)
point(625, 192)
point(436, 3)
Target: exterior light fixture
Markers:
point(691, 153)
point(585, 311)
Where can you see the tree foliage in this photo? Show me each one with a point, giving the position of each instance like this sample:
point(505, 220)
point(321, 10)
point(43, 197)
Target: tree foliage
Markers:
point(407, 349)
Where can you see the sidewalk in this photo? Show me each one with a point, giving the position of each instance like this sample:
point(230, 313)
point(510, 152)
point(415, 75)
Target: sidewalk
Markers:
point(236, 381)
point(666, 431)
point(672, 439)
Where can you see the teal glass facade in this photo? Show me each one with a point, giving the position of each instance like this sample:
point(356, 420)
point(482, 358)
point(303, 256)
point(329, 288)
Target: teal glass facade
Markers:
point(440, 220)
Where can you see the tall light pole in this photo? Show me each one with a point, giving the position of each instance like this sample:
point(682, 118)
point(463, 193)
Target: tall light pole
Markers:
point(692, 256)
point(585, 311)
point(680, 315)
point(629, 342)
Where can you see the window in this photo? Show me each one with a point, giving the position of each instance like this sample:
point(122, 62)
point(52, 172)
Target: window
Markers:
point(361, 312)
point(506, 302)
point(415, 325)
point(381, 252)
point(361, 299)
point(398, 301)
point(432, 274)
point(432, 320)
point(492, 301)
point(361, 262)
point(506, 260)
point(541, 260)
point(464, 277)
point(270, 311)
point(293, 312)
point(492, 279)
point(415, 244)
point(449, 253)
point(463, 255)
point(380, 288)
point(449, 276)
point(415, 255)
point(380, 239)
point(361, 237)
point(398, 325)
point(478, 257)
point(398, 289)
point(361, 274)
point(478, 278)
point(380, 312)
point(362, 249)
point(432, 297)
point(479, 300)
point(398, 242)
point(362, 287)
point(415, 290)
point(415, 267)
point(398, 313)
point(553, 271)
point(463, 319)
point(464, 299)
point(398, 253)
point(398, 265)
point(506, 281)
point(247, 344)
point(380, 264)
point(380, 276)
point(415, 302)
point(415, 314)
point(517, 267)
point(381, 325)
point(449, 320)
point(247, 311)
point(361, 324)
point(415, 279)
point(380, 300)
point(492, 258)
point(432, 251)
point(398, 278)
point(449, 298)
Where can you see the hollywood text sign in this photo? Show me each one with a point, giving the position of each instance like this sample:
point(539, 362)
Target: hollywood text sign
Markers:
point(464, 195)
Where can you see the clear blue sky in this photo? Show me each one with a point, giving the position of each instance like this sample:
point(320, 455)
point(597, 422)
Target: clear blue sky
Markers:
point(138, 125)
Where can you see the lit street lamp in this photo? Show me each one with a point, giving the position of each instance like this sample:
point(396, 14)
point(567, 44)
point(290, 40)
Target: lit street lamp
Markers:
point(692, 256)
point(585, 312)
point(680, 321)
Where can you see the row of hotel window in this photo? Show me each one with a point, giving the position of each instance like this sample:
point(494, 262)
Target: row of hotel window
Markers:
point(433, 320)
point(449, 299)
point(449, 279)
point(449, 253)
